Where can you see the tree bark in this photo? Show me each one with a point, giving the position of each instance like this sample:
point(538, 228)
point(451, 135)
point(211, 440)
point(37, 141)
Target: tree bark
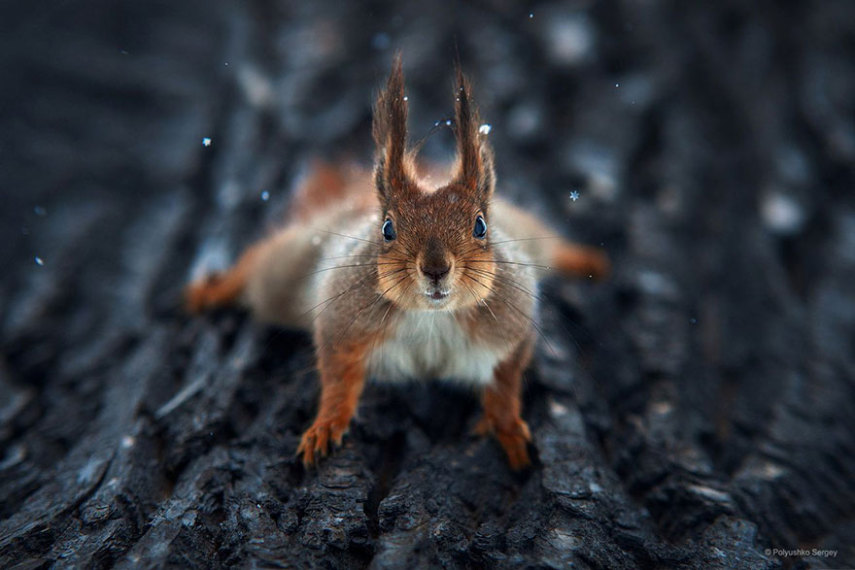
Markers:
point(696, 410)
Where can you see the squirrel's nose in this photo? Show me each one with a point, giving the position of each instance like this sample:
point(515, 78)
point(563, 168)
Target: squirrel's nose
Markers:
point(436, 271)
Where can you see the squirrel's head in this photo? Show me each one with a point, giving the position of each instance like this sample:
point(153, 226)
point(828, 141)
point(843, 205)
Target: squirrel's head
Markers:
point(435, 243)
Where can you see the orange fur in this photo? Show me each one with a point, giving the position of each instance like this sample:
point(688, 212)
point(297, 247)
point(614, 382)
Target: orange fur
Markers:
point(342, 370)
point(503, 408)
point(328, 185)
point(580, 261)
point(220, 289)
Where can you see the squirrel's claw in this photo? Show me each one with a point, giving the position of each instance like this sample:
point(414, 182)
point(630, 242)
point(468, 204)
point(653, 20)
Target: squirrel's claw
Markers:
point(513, 437)
point(317, 439)
point(200, 295)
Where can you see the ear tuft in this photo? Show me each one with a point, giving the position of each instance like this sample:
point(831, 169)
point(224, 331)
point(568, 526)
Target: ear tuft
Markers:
point(474, 155)
point(390, 133)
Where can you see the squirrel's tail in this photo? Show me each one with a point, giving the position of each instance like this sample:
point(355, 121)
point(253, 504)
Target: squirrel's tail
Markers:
point(329, 185)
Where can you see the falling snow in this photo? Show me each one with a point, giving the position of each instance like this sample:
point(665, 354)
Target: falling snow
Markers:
point(40, 211)
point(39, 260)
point(380, 41)
point(574, 195)
point(265, 195)
point(206, 141)
point(484, 129)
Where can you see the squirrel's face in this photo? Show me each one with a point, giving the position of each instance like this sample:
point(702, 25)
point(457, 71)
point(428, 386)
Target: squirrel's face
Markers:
point(435, 251)
point(435, 248)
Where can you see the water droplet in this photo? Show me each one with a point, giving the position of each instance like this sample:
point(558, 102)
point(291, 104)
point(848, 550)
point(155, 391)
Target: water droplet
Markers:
point(206, 141)
point(380, 41)
point(265, 195)
point(485, 129)
point(40, 211)
point(39, 261)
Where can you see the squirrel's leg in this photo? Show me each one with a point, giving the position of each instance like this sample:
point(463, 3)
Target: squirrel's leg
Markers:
point(502, 402)
point(220, 289)
point(342, 370)
point(580, 261)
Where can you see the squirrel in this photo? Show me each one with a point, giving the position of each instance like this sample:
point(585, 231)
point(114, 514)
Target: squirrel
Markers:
point(398, 279)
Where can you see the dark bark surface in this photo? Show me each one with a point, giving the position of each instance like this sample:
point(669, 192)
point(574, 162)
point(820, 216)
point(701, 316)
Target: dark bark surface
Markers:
point(697, 410)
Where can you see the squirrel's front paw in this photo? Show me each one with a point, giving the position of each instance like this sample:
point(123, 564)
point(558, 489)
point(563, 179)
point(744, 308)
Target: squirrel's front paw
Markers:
point(513, 437)
point(200, 295)
point(317, 438)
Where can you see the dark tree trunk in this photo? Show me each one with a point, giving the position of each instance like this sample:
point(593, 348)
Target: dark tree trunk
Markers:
point(696, 410)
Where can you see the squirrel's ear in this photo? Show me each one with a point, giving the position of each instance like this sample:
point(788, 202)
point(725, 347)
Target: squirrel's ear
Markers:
point(474, 155)
point(393, 168)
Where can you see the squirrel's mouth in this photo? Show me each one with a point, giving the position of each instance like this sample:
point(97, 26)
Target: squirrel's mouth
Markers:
point(437, 296)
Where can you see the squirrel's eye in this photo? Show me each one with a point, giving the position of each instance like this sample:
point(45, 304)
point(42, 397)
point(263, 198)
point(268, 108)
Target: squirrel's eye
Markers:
point(389, 231)
point(480, 230)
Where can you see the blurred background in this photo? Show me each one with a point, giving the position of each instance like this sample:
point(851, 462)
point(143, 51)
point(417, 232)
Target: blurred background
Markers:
point(708, 147)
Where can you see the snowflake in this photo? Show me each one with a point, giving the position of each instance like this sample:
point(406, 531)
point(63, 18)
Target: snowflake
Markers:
point(206, 141)
point(574, 195)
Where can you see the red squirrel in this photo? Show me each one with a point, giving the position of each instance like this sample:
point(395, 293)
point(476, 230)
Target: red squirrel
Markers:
point(398, 279)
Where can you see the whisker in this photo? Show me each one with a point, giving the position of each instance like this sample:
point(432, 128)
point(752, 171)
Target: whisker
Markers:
point(507, 280)
point(330, 301)
point(350, 237)
point(524, 239)
point(521, 313)
point(348, 265)
point(348, 290)
point(368, 255)
point(504, 262)
point(480, 300)
point(379, 296)
point(384, 324)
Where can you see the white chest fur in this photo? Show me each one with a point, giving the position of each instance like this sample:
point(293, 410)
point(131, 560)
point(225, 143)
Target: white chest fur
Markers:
point(431, 344)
